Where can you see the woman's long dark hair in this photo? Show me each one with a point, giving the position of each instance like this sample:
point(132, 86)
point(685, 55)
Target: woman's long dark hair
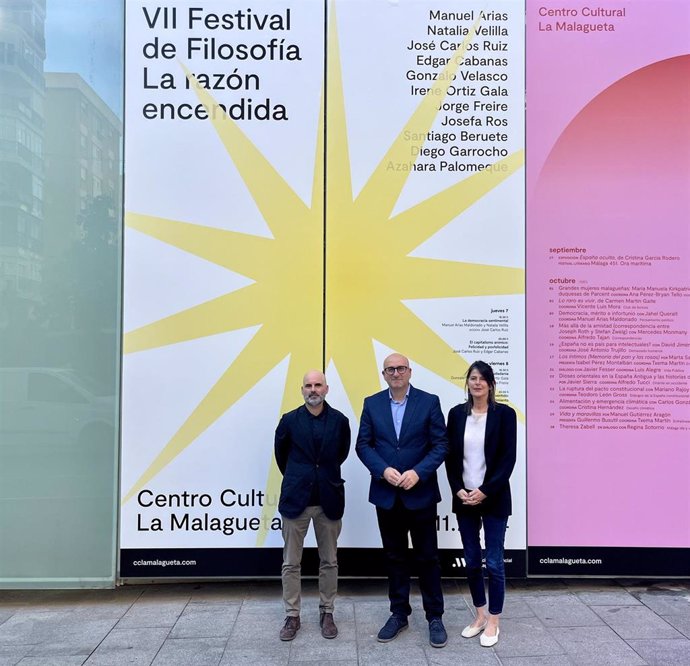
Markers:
point(487, 372)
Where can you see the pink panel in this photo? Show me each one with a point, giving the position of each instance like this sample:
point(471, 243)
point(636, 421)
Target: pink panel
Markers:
point(608, 287)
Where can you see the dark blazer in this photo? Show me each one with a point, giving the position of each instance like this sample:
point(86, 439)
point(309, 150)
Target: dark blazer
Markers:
point(499, 450)
point(302, 466)
point(422, 446)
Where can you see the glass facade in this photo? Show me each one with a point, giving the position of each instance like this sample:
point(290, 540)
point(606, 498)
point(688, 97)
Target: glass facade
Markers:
point(60, 234)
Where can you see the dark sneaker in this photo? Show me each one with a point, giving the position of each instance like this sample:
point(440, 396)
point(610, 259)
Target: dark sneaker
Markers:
point(437, 633)
point(290, 628)
point(392, 628)
point(328, 628)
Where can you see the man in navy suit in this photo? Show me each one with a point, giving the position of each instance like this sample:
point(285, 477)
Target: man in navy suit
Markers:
point(402, 441)
point(311, 443)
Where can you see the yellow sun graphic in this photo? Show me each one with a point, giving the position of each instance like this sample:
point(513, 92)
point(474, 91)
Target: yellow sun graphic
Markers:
point(362, 293)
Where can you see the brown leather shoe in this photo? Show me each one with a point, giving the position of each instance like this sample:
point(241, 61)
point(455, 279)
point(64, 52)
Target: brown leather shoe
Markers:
point(328, 628)
point(290, 628)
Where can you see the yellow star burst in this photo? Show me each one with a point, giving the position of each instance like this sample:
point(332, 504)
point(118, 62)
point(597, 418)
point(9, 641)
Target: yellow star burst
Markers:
point(368, 271)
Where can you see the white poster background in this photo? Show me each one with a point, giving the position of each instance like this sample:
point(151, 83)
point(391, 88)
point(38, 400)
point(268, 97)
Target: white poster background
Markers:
point(374, 38)
point(180, 170)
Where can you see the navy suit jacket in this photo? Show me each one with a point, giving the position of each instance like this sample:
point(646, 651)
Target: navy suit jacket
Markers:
point(499, 451)
point(422, 446)
point(302, 466)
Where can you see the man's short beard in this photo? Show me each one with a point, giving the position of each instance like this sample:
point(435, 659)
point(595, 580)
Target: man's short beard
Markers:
point(314, 400)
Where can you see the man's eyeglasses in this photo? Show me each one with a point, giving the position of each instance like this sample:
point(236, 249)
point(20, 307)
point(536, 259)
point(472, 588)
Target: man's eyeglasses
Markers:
point(400, 369)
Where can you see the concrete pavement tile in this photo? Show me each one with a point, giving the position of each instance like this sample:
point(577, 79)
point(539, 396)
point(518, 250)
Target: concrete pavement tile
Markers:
point(38, 628)
point(111, 608)
point(457, 601)
point(635, 622)
point(100, 613)
point(525, 637)
point(31, 626)
point(11, 654)
point(152, 613)
point(262, 607)
point(596, 592)
point(370, 608)
point(562, 610)
point(660, 652)
point(454, 615)
point(455, 621)
point(313, 647)
point(190, 652)
point(117, 596)
point(206, 620)
point(611, 597)
point(680, 622)
point(73, 636)
point(367, 627)
point(61, 660)
point(252, 628)
point(265, 655)
point(344, 612)
point(666, 603)
point(5, 615)
point(392, 654)
point(369, 619)
point(329, 662)
point(347, 662)
point(516, 607)
point(129, 646)
point(596, 645)
point(553, 660)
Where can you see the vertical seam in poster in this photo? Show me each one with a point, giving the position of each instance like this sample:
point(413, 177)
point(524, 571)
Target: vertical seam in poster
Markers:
point(325, 177)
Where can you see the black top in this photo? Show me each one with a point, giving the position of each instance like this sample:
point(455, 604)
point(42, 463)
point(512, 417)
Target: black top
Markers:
point(317, 424)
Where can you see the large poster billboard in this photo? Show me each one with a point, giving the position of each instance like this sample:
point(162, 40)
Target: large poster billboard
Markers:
point(308, 184)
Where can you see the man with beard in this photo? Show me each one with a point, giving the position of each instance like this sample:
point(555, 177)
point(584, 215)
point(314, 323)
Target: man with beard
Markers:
point(311, 443)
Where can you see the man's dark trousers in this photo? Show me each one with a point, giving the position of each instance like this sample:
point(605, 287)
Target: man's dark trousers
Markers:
point(395, 524)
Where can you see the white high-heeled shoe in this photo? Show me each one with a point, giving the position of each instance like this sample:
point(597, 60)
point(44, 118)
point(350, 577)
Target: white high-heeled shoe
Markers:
point(488, 641)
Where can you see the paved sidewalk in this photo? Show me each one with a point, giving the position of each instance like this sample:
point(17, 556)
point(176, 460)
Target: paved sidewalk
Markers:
point(545, 623)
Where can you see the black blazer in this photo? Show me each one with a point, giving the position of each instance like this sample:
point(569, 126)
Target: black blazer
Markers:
point(302, 467)
point(500, 452)
point(422, 446)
